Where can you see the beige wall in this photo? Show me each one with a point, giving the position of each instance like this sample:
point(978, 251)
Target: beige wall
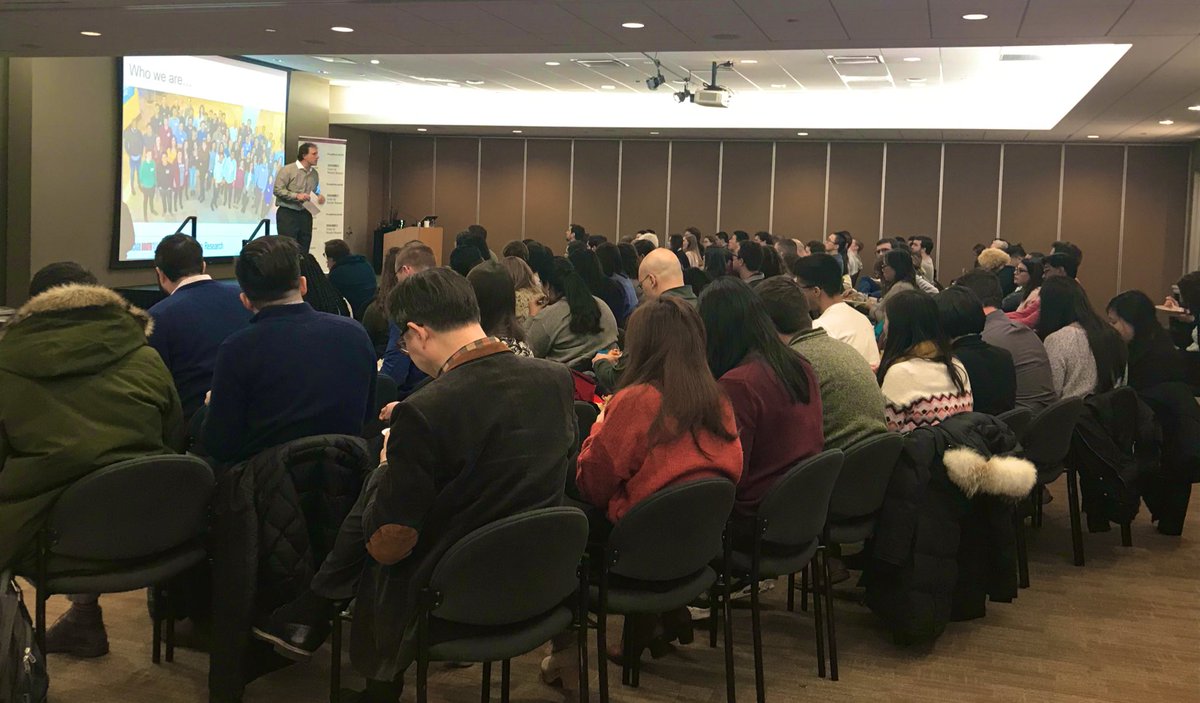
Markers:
point(1126, 206)
point(62, 156)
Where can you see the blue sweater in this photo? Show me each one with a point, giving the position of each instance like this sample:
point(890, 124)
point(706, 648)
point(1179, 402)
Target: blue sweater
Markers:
point(399, 366)
point(293, 373)
point(355, 280)
point(189, 326)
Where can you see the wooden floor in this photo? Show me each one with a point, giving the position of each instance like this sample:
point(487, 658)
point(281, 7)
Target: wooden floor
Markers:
point(1125, 628)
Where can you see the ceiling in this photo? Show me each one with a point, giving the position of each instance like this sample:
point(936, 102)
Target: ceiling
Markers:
point(1157, 79)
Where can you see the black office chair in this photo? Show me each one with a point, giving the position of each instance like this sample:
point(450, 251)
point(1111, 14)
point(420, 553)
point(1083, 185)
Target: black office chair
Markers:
point(1046, 443)
point(853, 510)
point(143, 518)
point(657, 559)
point(512, 580)
point(1017, 419)
point(786, 539)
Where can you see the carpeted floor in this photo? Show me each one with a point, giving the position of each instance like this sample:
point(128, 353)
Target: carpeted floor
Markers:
point(1124, 628)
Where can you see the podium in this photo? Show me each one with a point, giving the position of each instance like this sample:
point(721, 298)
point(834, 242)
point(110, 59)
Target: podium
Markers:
point(430, 236)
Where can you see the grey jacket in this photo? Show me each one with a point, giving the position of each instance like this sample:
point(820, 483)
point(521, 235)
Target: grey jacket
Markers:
point(291, 181)
point(550, 337)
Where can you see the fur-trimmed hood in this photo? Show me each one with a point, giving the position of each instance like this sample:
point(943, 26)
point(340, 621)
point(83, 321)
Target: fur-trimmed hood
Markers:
point(72, 329)
point(1007, 476)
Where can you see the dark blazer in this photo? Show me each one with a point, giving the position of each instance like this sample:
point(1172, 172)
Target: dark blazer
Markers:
point(294, 372)
point(992, 372)
point(189, 327)
point(355, 280)
point(485, 440)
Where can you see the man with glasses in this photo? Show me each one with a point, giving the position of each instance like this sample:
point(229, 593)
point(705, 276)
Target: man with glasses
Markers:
point(820, 276)
point(660, 274)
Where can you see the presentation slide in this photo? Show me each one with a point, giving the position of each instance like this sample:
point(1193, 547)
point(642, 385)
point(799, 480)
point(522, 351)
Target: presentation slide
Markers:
point(202, 136)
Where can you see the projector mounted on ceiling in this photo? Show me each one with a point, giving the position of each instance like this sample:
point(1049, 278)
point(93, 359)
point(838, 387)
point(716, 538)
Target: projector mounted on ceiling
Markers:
point(713, 95)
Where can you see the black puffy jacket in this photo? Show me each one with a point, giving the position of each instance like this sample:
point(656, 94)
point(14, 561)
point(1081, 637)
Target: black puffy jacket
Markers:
point(1115, 442)
point(275, 519)
point(945, 540)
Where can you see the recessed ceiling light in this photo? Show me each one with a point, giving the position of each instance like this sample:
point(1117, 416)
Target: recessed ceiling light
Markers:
point(1093, 136)
point(912, 59)
point(90, 34)
point(632, 25)
point(915, 80)
point(608, 87)
point(374, 62)
point(553, 63)
point(748, 61)
point(325, 72)
point(278, 60)
point(1195, 108)
point(422, 129)
point(474, 82)
point(778, 85)
point(516, 131)
point(801, 134)
point(268, 29)
point(653, 133)
point(1166, 122)
point(344, 30)
point(975, 17)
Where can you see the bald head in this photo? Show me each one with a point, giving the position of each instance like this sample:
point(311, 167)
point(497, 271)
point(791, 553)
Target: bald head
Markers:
point(660, 272)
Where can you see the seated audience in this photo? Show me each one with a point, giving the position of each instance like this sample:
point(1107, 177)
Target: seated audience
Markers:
point(991, 370)
point(293, 372)
point(630, 259)
point(375, 316)
point(497, 305)
point(82, 390)
point(1152, 358)
point(1035, 383)
point(764, 238)
point(1030, 275)
point(446, 473)
point(610, 264)
point(1060, 263)
point(921, 380)
point(717, 262)
point(595, 240)
point(527, 289)
point(464, 258)
point(645, 246)
point(898, 276)
point(922, 248)
point(479, 232)
point(1086, 354)
point(696, 279)
point(1071, 250)
point(748, 263)
point(772, 264)
point(320, 293)
point(693, 250)
point(541, 260)
point(414, 257)
point(659, 276)
point(820, 278)
point(573, 325)
point(851, 402)
point(516, 248)
point(193, 320)
point(1027, 276)
point(775, 395)
point(837, 245)
point(351, 274)
point(576, 234)
point(854, 263)
point(588, 267)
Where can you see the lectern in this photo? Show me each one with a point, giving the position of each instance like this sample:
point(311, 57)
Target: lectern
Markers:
point(430, 236)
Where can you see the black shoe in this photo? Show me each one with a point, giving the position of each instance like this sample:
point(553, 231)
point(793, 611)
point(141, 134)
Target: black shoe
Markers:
point(298, 629)
point(79, 633)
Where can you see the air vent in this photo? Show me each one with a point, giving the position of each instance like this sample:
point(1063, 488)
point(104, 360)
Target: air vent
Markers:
point(1020, 57)
point(600, 63)
point(855, 60)
point(333, 59)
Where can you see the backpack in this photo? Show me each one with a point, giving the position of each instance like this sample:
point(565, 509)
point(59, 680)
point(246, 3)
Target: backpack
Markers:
point(23, 677)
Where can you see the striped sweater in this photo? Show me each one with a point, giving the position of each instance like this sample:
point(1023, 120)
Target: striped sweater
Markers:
point(920, 393)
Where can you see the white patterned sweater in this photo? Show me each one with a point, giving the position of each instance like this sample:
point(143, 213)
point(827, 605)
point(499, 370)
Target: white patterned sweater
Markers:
point(920, 393)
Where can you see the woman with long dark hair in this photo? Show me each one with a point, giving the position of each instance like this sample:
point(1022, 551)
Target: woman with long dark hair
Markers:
point(716, 262)
point(574, 325)
point(497, 305)
point(588, 267)
point(1153, 358)
point(1086, 354)
point(375, 316)
point(609, 257)
point(668, 423)
point(897, 274)
point(1028, 275)
point(921, 380)
point(991, 370)
point(774, 391)
point(630, 260)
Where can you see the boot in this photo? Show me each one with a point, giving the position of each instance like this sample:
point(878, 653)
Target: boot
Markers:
point(79, 633)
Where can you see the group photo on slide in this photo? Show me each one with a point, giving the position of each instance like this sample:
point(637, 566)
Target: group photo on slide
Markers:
point(187, 156)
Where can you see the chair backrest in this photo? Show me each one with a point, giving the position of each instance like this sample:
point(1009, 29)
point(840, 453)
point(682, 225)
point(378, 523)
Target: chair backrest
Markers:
point(1018, 420)
point(866, 471)
point(797, 506)
point(585, 416)
point(672, 534)
point(385, 390)
point(133, 509)
point(1048, 437)
point(511, 570)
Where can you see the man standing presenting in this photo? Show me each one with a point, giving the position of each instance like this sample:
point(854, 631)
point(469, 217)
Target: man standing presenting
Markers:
point(295, 185)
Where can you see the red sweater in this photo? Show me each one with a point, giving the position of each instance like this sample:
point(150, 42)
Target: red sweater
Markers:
point(775, 432)
point(617, 469)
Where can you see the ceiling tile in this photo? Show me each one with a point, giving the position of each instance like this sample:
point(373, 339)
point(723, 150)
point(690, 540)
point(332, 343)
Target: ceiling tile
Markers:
point(1004, 18)
point(795, 21)
point(1160, 17)
point(1071, 18)
point(703, 20)
point(900, 21)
